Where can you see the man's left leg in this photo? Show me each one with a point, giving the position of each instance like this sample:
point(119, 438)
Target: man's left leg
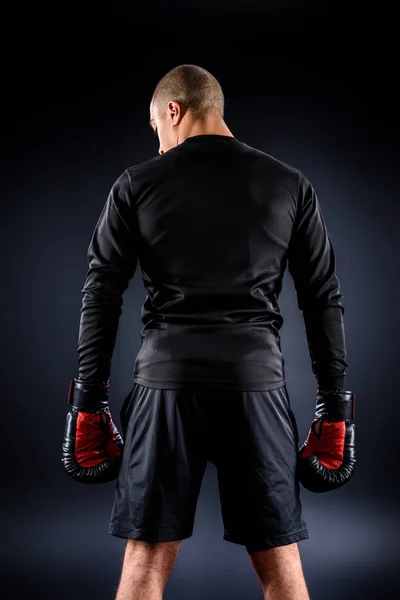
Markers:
point(162, 468)
point(146, 569)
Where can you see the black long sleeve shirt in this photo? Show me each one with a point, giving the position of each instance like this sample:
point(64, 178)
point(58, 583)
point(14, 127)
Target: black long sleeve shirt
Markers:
point(213, 223)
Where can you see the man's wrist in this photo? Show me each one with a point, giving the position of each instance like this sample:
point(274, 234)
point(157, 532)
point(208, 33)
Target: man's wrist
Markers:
point(91, 382)
point(331, 383)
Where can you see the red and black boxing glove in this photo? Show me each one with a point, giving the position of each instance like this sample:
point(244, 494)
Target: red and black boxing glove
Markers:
point(326, 460)
point(92, 445)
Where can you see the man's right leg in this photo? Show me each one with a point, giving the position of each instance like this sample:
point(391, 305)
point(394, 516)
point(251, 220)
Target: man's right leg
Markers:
point(280, 573)
point(255, 453)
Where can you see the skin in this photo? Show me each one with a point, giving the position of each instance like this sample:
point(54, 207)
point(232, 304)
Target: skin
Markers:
point(178, 123)
point(147, 566)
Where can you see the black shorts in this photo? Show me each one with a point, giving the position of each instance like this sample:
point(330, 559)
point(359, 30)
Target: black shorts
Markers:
point(250, 436)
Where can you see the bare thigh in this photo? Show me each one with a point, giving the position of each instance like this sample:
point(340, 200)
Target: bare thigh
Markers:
point(280, 573)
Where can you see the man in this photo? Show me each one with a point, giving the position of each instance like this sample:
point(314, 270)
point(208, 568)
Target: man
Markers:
point(213, 223)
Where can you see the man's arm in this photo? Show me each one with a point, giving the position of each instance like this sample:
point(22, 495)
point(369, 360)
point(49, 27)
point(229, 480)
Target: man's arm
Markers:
point(112, 257)
point(311, 262)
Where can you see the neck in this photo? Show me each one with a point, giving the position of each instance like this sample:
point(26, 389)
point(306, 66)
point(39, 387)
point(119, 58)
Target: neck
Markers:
point(210, 125)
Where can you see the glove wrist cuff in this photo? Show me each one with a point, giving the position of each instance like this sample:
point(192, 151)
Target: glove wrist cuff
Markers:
point(335, 405)
point(88, 396)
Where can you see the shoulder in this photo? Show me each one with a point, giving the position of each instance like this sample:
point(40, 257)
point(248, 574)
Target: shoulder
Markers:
point(264, 160)
point(148, 168)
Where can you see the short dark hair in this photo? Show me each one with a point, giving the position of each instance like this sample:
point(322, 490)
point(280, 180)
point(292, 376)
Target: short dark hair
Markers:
point(193, 87)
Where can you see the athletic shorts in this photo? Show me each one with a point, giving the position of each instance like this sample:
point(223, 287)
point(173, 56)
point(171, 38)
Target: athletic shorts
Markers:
point(169, 436)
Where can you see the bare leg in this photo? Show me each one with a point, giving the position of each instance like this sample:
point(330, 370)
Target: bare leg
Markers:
point(146, 569)
point(280, 573)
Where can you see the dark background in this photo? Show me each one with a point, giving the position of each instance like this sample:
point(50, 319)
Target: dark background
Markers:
point(314, 84)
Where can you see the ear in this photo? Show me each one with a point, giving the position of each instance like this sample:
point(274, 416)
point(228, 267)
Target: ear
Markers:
point(175, 112)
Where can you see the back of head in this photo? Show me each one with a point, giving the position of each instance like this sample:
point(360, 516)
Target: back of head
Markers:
point(193, 87)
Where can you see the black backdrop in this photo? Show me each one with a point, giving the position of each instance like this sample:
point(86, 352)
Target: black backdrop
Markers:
point(313, 84)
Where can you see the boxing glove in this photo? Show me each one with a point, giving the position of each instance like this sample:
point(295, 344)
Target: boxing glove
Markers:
point(92, 445)
point(326, 460)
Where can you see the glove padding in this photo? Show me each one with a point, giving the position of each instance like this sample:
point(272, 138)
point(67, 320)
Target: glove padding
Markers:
point(326, 460)
point(92, 445)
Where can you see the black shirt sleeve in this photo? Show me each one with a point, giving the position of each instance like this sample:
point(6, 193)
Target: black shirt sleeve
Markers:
point(311, 263)
point(112, 257)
